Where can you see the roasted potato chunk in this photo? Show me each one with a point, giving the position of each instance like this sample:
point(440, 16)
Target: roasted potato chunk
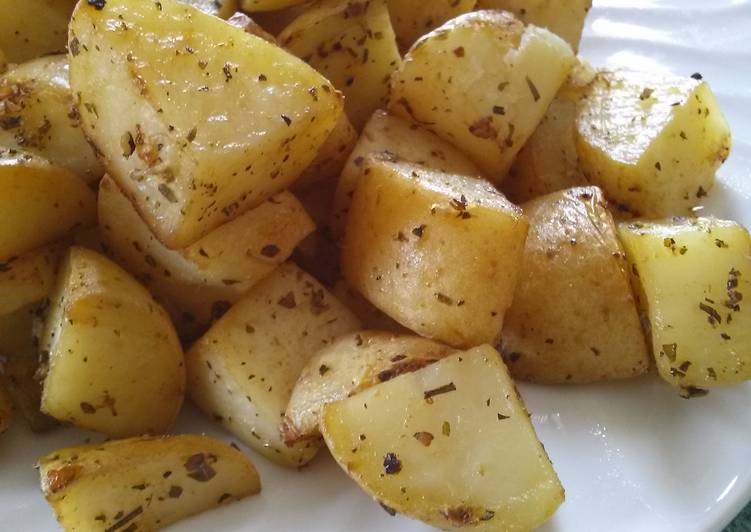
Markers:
point(39, 203)
point(242, 372)
point(691, 275)
point(394, 135)
point(450, 444)
point(353, 45)
point(574, 318)
point(238, 122)
point(413, 18)
point(490, 114)
point(652, 143)
point(439, 253)
point(565, 19)
point(29, 278)
point(143, 483)
point(349, 365)
point(33, 28)
point(115, 364)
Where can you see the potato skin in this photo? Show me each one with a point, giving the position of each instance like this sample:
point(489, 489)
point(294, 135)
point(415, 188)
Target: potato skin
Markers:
point(574, 318)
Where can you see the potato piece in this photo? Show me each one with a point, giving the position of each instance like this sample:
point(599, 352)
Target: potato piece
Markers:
point(32, 28)
point(409, 142)
point(565, 19)
point(252, 6)
point(450, 444)
point(370, 316)
point(219, 8)
point(198, 283)
point(692, 275)
point(439, 253)
point(6, 409)
point(37, 114)
point(548, 162)
point(115, 363)
point(143, 483)
point(248, 25)
point(353, 45)
point(353, 363)
point(243, 370)
point(490, 114)
point(414, 18)
point(28, 278)
point(574, 318)
point(239, 121)
point(40, 203)
point(652, 143)
point(331, 157)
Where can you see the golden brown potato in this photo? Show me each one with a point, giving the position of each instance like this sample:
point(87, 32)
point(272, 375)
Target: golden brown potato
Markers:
point(653, 143)
point(28, 279)
point(115, 364)
point(450, 444)
point(409, 142)
point(574, 318)
point(239, 121)
point(143, 483)
point(692, 276)
point(349, 365)
point(489, 115)
point(39, 203)
point(32, 28)
point(414, 18)
point(242, 372)
point(438, 252)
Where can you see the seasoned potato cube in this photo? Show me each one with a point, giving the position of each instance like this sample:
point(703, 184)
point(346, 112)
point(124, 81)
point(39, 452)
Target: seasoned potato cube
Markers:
point(652, 143)
point(349, 365)
point(565, 19)
point(331, 157)
point(197, 284)
point(439, 253)
point(516, 72)
point(28, 278)
point(370, 316)
point(269, 5)
point(692, 276)
point(243, 370)
point(414, 18)
point(353, 45)
point(37, 114)
point(450, 444)
point(409, 142)
point(114, 361)
point(239, 120)
point(32, 28)
point(219, 8)
point(143, 483)
point(40, 203)
point(574, 318)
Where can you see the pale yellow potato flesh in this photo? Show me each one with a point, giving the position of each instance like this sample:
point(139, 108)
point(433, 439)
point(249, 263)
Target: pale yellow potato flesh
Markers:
point(574, 318)
point(115, 364)
point(352, 43)
point(144, 483)
point(28, 278)
point(653, 143)
point(32, 28)
point(414, 18)
point(450, 444)
point(242, 372)
point(439, 253)
point(238, 120)
point(39, 203)
point(692, 276)
point(353, 363)
point(482, 82)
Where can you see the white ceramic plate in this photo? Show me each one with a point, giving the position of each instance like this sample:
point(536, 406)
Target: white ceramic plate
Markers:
point(632, 456)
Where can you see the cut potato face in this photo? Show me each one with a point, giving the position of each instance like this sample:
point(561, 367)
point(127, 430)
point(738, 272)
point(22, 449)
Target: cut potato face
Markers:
point(405, 140)
point(143, 483)
point(490, 114)
point(38, 115)
point(353, 45)
point(450, 444)
point(115, 364)
point(33, 28)
point(40, 203)
point(242, 372)
point(439, 253)
point(414, 18)
point(565, 19)
point(239, 120)
point(28, 278)
point(692, 276)
point(349, 365)
point(574, 318)
point(652, 143)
